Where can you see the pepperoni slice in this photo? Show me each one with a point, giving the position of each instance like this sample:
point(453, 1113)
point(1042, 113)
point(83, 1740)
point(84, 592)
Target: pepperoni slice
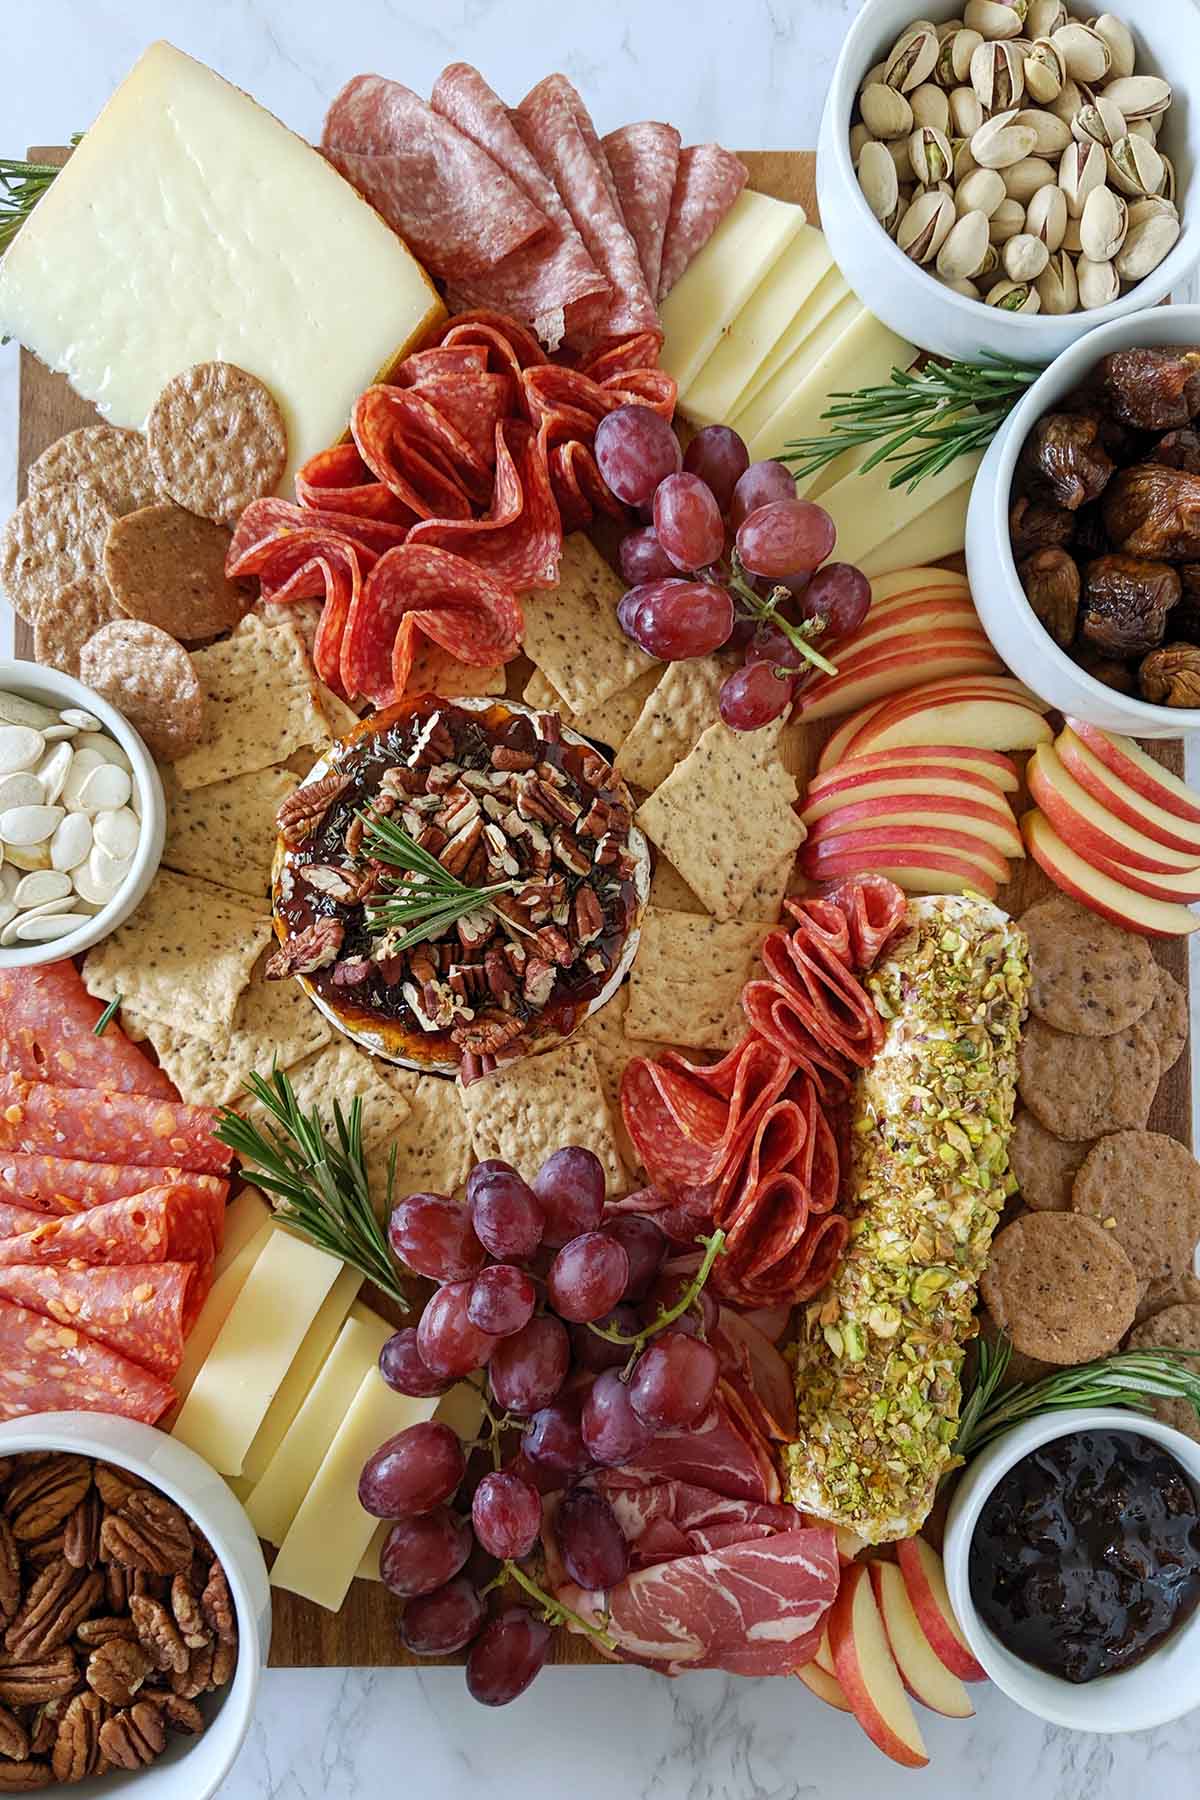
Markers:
point(163, 1224)
point(338, 481)
point(141, 1310)
point(644, 160)
point(519, 538)
point(685, 1118)
point(16, 1219)
point(708, 182)
point(46, 1367)
point(313, 563)
point(56, 1185)
point(580, 490)
point(38, 1117)
point(509, 344)
point(47, 1033)
point(874, 909)
point(813, 1003)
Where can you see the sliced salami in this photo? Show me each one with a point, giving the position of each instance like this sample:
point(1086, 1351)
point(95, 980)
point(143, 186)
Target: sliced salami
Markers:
point(708, 182)
point(874, 910)
point(57, 1185)
point(138, 1309)
point(47, 1033)
point(46, 1367)
point(418, 454)
point(338, 482)
point(812, 1002)
point(163, 1224)
point(644, 160)
point(519, 538)
point(685, 1118)
point(16, 1219)
point(40, 1118)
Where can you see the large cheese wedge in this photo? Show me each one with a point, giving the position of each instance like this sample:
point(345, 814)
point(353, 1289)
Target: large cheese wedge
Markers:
point(244, 1219)
point(712, 291)
point(190, 225)
point(829, 292)
point(254, 1350)
point(307, 1364)
point(216, 1309)
point(939, 531)
point(864, 355)
point(462, 1408)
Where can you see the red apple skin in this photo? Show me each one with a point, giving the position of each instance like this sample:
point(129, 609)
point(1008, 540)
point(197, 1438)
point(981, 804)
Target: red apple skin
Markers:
point(835, 694)
point(1158, 784)
point(909, 838)
point(915, 811)
point(914, 616)
point(912, 872)
point(891, 1597)
point(1113, 900)
point(854, 1599)
point(1122, 801)
point(826, 1687)
point(853, 728)
point(1018, 718)
point(1051, 785)
point(910, 640)
point(904, 585)
point(932, 1616)
point(940, 762)
point(1174, 890)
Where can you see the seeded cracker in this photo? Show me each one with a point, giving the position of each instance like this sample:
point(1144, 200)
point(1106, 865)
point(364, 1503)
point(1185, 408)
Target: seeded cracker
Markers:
point(260, 702)
point(535, 1105)
point(52, 538)
point(68, 618)
point(1144, 1187)
point(1178, 1328)
point(687, 979)
point(226, 833)
point(609, 722)
point(1176, 1290)
point(670, 892)
point(607, 1031)
point(435, 671)
point(1044, 1165)
point(433, 1144)
point(1061, 1287)
point(682, 705)
point(166, 566)
point(113, 461)
point(339, 1071)
point(1167, 1020)
point(1085, 1087)
point(217, 440)
point(1087, 975)
point(151, 679)
point(572, 633)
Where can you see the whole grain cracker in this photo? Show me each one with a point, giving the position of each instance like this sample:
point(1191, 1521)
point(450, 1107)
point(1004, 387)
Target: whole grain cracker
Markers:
point(217, 440)
point(67, 618)
point(535, 1105)
point(53, 537)
point(681, 706)
point(607, 1031)
point(1167, 1020)
point(1020, 1368)
point(686, 983)
point(433, 1143)
point(1060, 1286)
point(1175, 1290)
point(1176, 1328)
point(341, 1071)
point(671, 892)
point(1086, 1087)
point(151, 679)
point(1086, 975)
point(167, 567)
point(1044, 1165)
point(572, 633)
point(260, 703)
point(609, 722)
point(108, 458)
point(1144, 1187)
point(226, 833)
point(436, 671)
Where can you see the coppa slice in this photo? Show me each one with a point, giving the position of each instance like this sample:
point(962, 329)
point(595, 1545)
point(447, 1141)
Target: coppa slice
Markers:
point(917, 762)
point(1123, 801)
point(1087, 826)
point(1131, 763)
point(976, 819)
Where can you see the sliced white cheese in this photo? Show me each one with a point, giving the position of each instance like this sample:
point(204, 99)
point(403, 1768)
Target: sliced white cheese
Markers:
point(811, 487)
point(941, 531)
point(829, 292)
point(712, 291)
point(772, 308)
point(864, 355)
point(306, 1366)
point(462, 1408)
point(812, 350)
point(244, 1219)
point(216, 1309)
point(190, 225)
point(869, 513)
point(254, 1350)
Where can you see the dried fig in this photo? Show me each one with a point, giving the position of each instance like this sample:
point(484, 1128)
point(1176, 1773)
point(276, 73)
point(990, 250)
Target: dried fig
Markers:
point(1052, 587)
point(1108, 669)
point(1038, 525)
point(1171, 676)
point(1178, 450)
point(1065, 457)
point(1125, 604)
point(1154, 511)
point(1153, 388)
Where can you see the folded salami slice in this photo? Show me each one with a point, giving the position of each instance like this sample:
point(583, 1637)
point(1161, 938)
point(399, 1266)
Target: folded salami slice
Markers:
point(519, 538)
point(46, 1367)
point(874, 909)
point(812, 1001)
point(163, 1224)
point(47, 1033)
point(418, 454)
point(580, 490)
point(644, 160)
point(38, 1117)
point(16, 1219)
point(313, 564)
point(139, 1309)
point(57, 1185)
point(454, 206)
point(708, 182)
point(685, 1118)
point(337, 481)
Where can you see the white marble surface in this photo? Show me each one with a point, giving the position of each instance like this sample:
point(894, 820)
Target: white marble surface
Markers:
point(751, 73)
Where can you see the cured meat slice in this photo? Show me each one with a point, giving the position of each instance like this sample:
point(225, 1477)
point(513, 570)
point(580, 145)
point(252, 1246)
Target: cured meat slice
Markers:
point(508, 344)
point(163, 1224)
point(47, 1033)
point(313, 563)
point(714, 1454)
point(474, 401)
point(55, 1184)
point(141, 1310)
point(644, 160)
point(272, 519)
point(812, 1002)
point(701, 1520)
point(16, 1219)
point(874, 909)
point(519, 538)
point(337, 481)
point(419, 455)
point(708, 182)
point(580, 491)
point(803, 1272)
point(454, 206)
point(38, 1117)
point(750, 1359)
point(684, 1117)
point(46, 1367)
point(555, 124)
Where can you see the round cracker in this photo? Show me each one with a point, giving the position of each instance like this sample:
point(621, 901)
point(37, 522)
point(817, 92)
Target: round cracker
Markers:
point(217, 440)
point(52, 537)
point(1174, 1290)
point(1061, 1287)
point(1085, 974)
point(166, 567)
point(1020, 1369)
point(1144, 1187)
point(1167, 1020)
point(1086, 1087)
point(1178, 1328)
point(113, 461)
point(68, 618)
point(1043, 1164)
point(150, 678)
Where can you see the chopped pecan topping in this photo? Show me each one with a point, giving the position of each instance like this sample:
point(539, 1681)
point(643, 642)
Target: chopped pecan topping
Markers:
point(58, 1599)
point(334, 882)
point(133, 1738)
point(487, 1033)
point(554, 946)
point(433, 744)
point(43, 1498)
point(313, 948)
point(540, 977)
point(505, 757)
point(571, 853)
point(461, 847)
point(587, 916)
point(77, 1753)
point(301, 813)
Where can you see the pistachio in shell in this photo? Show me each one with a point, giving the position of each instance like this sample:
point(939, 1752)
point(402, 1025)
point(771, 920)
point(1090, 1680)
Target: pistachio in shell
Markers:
point(912, 58)
point(1099, 283)
point(1058, 289)
point(885, 113)
point(1053, 133)
point(1103, 225)
point(930, 154)
point(1122, 51)
point(1085, 53)
point(1083, 167)
point(1100, 120)
point(1140, 96)
point(1046, 217)
point(931, 106)
point(879, 181)
point(982, 190)
point(1028, 177)
point(953, 66)
point(1007, 220)
point(1014, 296)
point(1151, 236)
point(1025, 257)
point(964, 253)
point(1069, 100)
point(1044, 17)
point(995, 18)
point(1000, 142)
point(998, 76)
point(1044, 71)
point(966, 111)
point(926, 226)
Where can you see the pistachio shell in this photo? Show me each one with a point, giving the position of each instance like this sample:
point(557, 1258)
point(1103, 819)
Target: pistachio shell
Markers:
point(1135, 167)
point(885, 113)
point(1086, 55)
point(930, 154)
point(913, 56)
point(964, 160)
point(878, 179)
point(1139, 96)
point(1151, 236)
point(1071, 243)
point(1099, 283)
point(998, 76)
point(1083, 167)
point(1058, 289)
point(966, 111)
point(1027, 178)
point(859, 137)
point(1103, 224)
point(1069, 101)
point(953, 65)
point(999, 142)
point(1045, 71)
point(994, 20)
point(925, 227)
point(1046, 217)
point(981, 191)
point(1167, 190)
point(897, 149)
point(1044, 17)
point(1117, 35)
point(1014, 296)
point(1025, 256)
point(965, 250)
point(1053, 133)
point(961, 285)
point(1007, 220)
point(1144, 128)
point(931, 106)
point(1101, 121)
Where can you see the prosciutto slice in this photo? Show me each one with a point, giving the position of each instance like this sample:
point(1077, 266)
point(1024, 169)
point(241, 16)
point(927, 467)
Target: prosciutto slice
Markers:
point(719, 1453)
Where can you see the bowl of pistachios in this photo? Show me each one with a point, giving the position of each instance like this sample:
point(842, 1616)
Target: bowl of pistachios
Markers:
point(1002, 176)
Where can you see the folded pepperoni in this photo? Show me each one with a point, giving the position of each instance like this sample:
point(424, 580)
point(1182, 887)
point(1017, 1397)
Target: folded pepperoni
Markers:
point(138, 1309)
point(313, 563)
point(55, 1184)
point(509, 344)
point(16, 1219)
point(338, 481)
point(46, 1367)
point(457, 359)
point(519, 538)
point(812, 1006)
point(38, 1117)
point(801, 1274)
point(163, 1224)
point(47, 1033)
point(684, 1118)
point(644, 160)
point(708, 182)
point(874, 909)
point(580, 490)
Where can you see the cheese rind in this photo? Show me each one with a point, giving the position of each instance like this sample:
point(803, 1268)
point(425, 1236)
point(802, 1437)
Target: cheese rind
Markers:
point(711, 292)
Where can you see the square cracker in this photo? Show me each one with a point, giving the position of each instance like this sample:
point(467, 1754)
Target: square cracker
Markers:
point(226, 833)
point(435, 671)
point(433, 1144)
point(609, 722)
point(607, 1031)
point(687, 979)
point(340, 1071)
point(184, 958)
point(538, 1104)
point(572, 633)
point(682, 705)
point(725, 817)
point(260, 703)
point(671, 893)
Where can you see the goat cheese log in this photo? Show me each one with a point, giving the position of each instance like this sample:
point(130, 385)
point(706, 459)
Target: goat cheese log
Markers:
point(881, 1347)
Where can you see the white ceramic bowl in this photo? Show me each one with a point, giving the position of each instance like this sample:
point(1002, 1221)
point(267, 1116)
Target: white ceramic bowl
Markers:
point(190, 1768)
point(1009, 620)
point(1162, 1687)
point(916, 304)
point(49, 687)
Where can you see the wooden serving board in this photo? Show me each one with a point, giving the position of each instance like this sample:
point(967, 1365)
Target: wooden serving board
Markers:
point(364, 1632)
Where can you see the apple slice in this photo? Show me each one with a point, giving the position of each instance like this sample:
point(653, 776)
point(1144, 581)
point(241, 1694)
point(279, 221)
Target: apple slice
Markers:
point(867, 1672)
point(1133, 765)
point(922, 1670)
point(1123, 801)
point(902, 620)
point(961, 687)
point(1086, 825)
point(849, 1544)
point(993, 823)
point(914, 640)
point(824, 1656)
point(985, 720)
point(1091, 886)
point(818, 859)
point(885, 589)
point(921, 761)
point(917, 871)
point(825, 1686)
point(925, 1579)
point(836, 748)
point(893, 673)
point(1181, 888)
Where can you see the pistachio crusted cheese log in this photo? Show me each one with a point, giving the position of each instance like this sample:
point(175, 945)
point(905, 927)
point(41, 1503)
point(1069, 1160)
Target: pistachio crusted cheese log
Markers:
point(877, 1364)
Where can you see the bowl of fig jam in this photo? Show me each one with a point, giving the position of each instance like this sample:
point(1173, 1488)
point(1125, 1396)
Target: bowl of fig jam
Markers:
point(1073, 1564)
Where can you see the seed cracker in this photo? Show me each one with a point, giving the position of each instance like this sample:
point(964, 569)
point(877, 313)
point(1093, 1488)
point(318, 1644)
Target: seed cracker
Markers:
point(1167, 1020)
point(1086, 1087)
point(1144, 1187)
point(1177, 1328)
point(572, 634)
point(1086, 975)
point(687, 979)
point(433, 1143)
point(153, 681)
point(611, 721)
point(670, 892)
point(260, 703)
point(1175, 1290)
point(340, 1071)
point(1044, 1165)
point(67, 618)
point(682, 705)
point(435, 671)
point(53, 537)
point(226, 833)
point(217, 440)
point(607, 1031)
point(530, 1107)
point(1061, 1287)
point(112, 461)
point(167, 566)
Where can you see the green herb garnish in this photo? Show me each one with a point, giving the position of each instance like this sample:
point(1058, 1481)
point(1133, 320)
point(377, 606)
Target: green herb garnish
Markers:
point(22, 185)
point(422, 906)
point(107, 1016)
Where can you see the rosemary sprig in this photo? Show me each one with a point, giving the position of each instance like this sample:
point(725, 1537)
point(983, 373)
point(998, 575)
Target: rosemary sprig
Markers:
point(922, 419)
point(427, 899)
point(320, 1181)
point(107, 1016)
point(22, 185)
point(764, 610)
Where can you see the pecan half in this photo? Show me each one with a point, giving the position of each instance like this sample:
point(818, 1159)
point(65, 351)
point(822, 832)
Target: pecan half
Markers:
point(505, 757)
point(59, 1598)
point(117, 1670)
point(93, 1632)
point(189, 1616)
point(301, 813)
point(114, 1486)
point(24, 1777)
point(488, 1033)
point(540, 977)
point(313, 948)
point(587, 916)
point(41, 1500)
point(14, 1738)
point(133, 1738)
point(208, 1668)
point(180, 1714)
point(10, 1574)
point(43, 1727)
point(81, 1534)
point(158, 1634)
point(34, 1680)
point(151, 1533)
point(76, 1753)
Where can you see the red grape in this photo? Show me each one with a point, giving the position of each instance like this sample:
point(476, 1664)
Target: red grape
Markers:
point(437, 1624)
point(754, 695)
point(611, 1429)
point(403, 1367)
point(592, 1353)
point(785, 536)
point(588, 1277)
point(527, 1369)
point(667, 1292)
point(434, 1236)
point(449, 1342)
point(762, 483)
point(592, 1544)
point(720, 458)
point(424, 1553)
point(554, 1437)
point(511, 1649)
point(635, 450)
point(673, 1381)
point(687, 522)
point(644, 1244)
point(771, 644)
point(570, 1190)
point(412, 1472)
point(507, 1515)
point(677, 619)
point(841, 595)
point(543, 1479)
point(504, 1211)
point(502, 1299)
point(643, 557)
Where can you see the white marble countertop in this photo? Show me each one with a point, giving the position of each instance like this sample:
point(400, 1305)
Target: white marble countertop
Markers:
point(750, 74)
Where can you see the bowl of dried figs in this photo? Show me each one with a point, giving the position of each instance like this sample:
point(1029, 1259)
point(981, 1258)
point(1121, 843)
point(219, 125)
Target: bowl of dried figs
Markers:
point(1083, 535)
point(135, 1612)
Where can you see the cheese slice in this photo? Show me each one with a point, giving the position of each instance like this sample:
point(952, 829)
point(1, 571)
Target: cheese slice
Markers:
point(940, 531)
point(864, 354)
point(244, 1219)
point(776, 302)
point(462, 1408)
point(829, 292)
point(254, 1350)
point(716, 285)
point(306, 1366)
point(216, 1309)
point(191, 226)
point(868, 513)
point(808, 355)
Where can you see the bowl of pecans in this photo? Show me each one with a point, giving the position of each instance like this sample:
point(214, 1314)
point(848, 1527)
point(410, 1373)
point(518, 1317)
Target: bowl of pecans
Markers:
point(135, 1612)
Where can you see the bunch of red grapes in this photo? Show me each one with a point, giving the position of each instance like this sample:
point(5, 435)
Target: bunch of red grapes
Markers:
point(525, 1271)
point(728, 555)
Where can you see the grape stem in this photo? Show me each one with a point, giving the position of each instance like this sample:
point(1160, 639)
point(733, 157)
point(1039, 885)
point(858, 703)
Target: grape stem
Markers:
point(554, 1612)
point(765, 610)
point(713, 1247)
point(497, 1425)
